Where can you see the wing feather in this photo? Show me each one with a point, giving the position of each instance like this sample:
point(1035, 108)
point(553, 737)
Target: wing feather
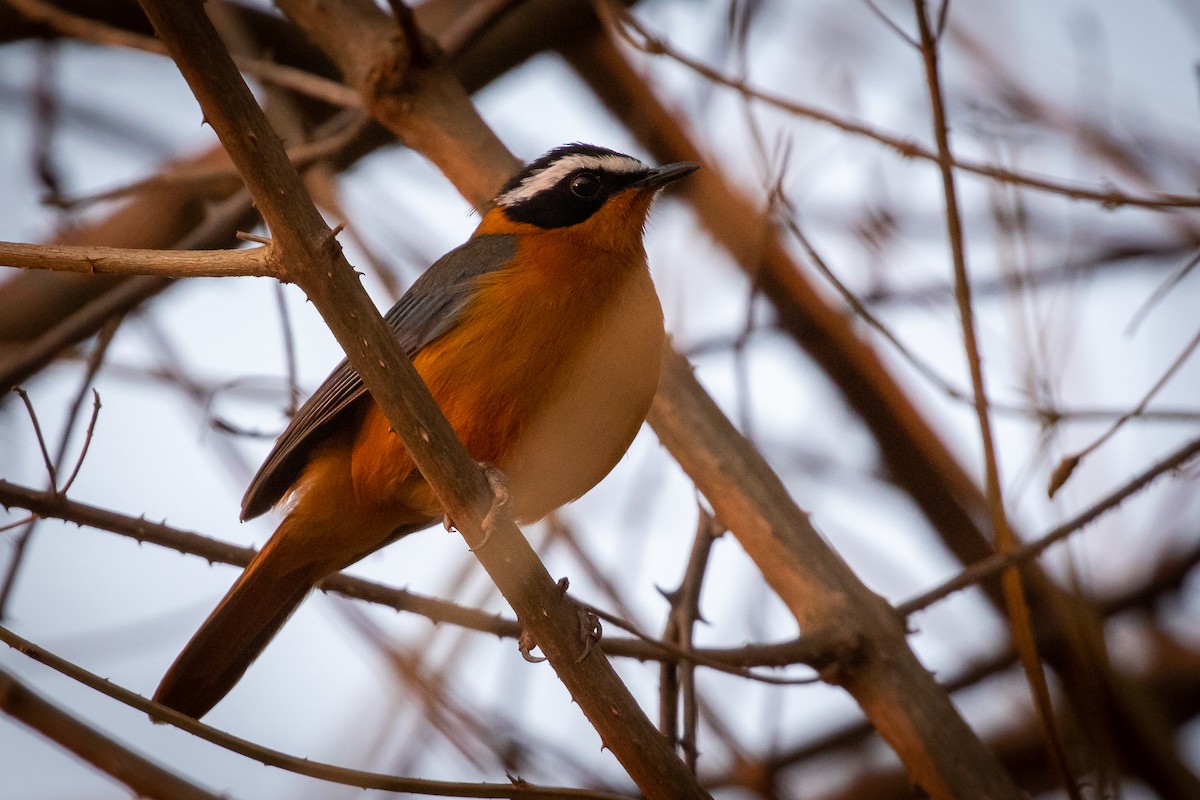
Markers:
point(430, 308)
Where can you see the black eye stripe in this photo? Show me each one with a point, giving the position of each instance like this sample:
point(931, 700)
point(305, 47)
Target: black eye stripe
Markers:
point(573, 198)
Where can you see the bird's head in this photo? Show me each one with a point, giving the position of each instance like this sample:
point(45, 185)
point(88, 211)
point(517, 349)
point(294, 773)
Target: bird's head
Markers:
point(584, 191)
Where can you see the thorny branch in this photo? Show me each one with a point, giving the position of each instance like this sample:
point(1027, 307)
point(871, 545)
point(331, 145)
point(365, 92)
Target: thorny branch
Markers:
point(639, 37)
point(274, 758)
point(816, 649)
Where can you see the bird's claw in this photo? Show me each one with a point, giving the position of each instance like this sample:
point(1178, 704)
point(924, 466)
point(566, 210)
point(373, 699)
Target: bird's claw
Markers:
point(526, 644)
point(590, 630)
point(500, 497)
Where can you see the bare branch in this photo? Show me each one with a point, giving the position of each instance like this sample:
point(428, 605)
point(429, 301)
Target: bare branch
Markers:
point(994, 564)
point(143, 776)
point(90, 30)
point(275, 758)
point(1068, 464)
point(642, 39)
point(1016, 605)
point(95, 260)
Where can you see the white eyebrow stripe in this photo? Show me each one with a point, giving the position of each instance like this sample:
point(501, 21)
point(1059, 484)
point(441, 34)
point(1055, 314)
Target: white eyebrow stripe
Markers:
point(548, 177)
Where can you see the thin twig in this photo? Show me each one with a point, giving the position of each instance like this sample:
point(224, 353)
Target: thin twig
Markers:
point(41, 440)
point(1045, 414)
point(865, 314)
point(18, 523)
point(651, 44)
point(87, 442)
point(992, 565)
point(333, 137)
point(145, 778)
point(94, 362)
point(331, 773)
point(1016, 605)
point(90, 30)
point(289, 350)
point(685, 611)
point(1162, 291)
point(892, 24)
point(1066, 467)
point(702, 659)
point(21, 546)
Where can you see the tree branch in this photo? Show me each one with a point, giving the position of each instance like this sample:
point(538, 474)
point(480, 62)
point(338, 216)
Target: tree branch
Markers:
point(141, 775)
point(897, 694)
point(275, 758)
point(95, 260)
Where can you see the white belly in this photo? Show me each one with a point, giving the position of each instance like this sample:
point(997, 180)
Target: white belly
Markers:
point(585, 426)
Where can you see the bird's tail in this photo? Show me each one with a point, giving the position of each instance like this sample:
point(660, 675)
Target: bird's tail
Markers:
point(253, 611)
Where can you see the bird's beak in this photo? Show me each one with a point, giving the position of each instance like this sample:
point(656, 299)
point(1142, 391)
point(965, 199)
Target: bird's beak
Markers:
point(668, 173)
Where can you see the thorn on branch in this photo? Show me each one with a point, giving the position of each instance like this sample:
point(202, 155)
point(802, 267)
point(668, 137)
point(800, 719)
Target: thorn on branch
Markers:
point(1062, 473)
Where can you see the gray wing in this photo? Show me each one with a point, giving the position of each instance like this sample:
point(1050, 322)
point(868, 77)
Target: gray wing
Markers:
point(430, 308)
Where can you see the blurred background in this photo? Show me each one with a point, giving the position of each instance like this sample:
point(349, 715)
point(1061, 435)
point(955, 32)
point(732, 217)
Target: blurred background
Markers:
point(1081, 254)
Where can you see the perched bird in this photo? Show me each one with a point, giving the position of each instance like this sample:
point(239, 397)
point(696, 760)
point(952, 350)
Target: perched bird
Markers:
point(540, 338)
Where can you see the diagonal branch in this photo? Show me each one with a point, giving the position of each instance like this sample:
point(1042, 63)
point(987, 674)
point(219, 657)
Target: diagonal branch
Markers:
point(638, 36)
point(301, 766)
point(301, 240)
point(913, 452)
point(141, 775)
point(902, 700)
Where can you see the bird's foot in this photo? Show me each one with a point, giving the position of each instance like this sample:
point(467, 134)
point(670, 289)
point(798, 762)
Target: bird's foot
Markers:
point(525, 644)
point(498, 482)
point(500, 498)
point(590, 630)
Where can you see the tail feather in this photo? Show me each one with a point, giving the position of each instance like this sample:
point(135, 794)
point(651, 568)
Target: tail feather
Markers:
point(238, 629)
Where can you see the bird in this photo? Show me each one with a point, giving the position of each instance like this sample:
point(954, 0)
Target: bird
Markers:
point(540, 338)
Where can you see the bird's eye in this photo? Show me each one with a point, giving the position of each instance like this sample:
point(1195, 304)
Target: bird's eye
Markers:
point(585, 185)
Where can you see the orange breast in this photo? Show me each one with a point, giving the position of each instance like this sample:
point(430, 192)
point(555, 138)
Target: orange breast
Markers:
point(548, 375)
